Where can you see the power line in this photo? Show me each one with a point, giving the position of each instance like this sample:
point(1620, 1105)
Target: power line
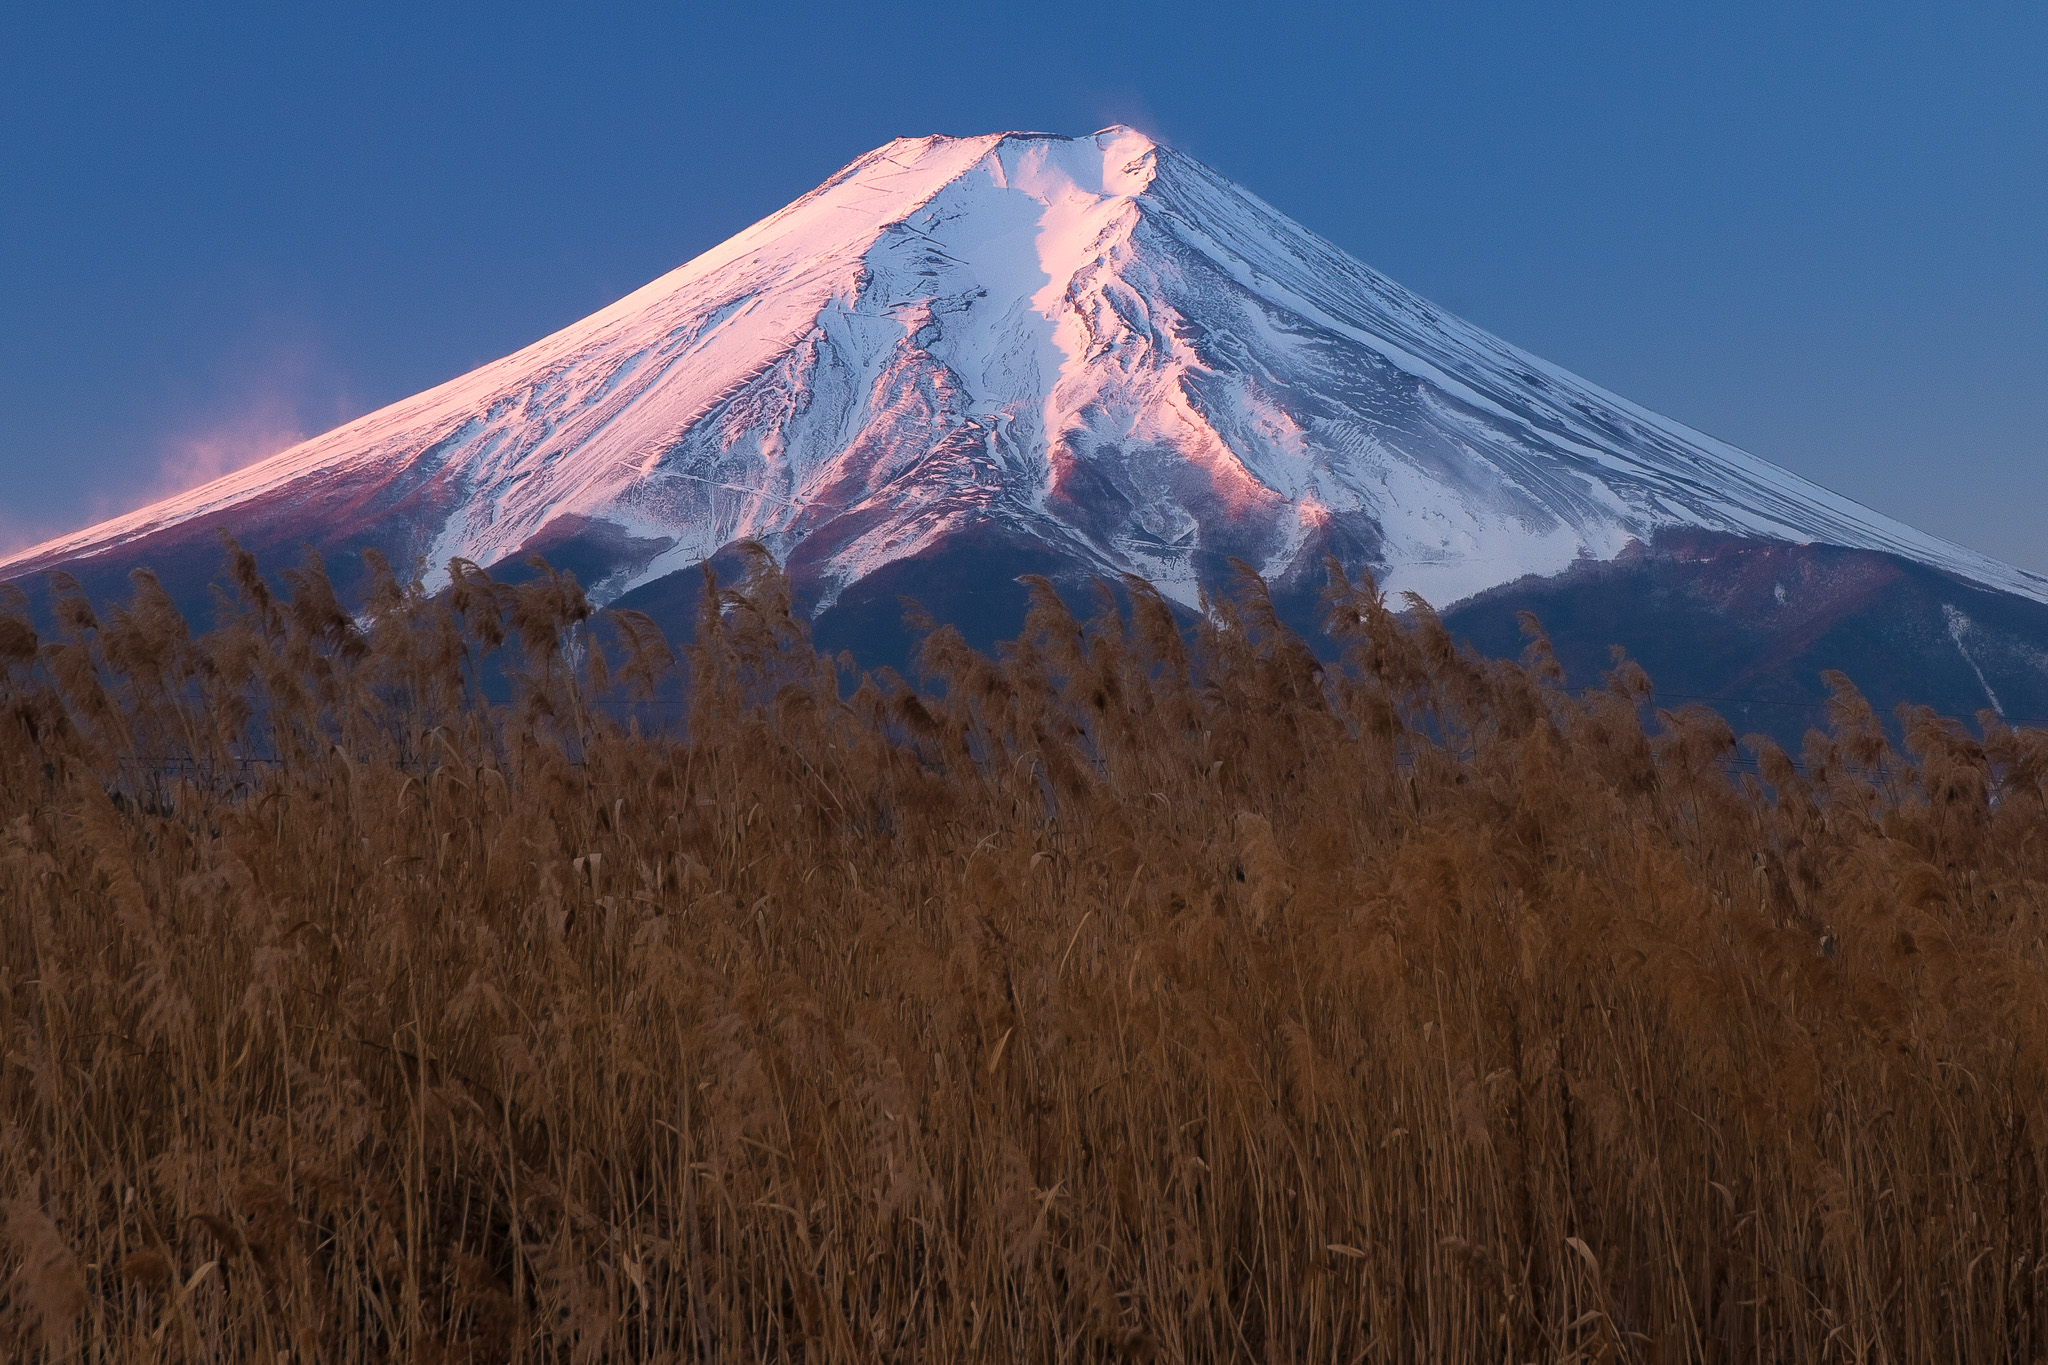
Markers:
point(1822, 706)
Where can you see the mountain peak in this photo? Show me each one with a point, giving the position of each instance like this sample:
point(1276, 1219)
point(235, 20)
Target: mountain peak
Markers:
point(1117, 160)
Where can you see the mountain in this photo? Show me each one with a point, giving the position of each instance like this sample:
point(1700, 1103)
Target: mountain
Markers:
point(961, 359)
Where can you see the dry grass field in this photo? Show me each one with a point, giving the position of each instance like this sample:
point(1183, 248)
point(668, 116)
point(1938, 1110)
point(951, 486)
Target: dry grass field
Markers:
point(1129, 996)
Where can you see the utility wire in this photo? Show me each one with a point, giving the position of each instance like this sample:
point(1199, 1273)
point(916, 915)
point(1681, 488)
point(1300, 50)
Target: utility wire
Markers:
point(1822, 706)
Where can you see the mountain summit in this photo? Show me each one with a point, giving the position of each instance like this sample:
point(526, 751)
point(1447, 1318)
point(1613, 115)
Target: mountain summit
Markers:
point(963, 357)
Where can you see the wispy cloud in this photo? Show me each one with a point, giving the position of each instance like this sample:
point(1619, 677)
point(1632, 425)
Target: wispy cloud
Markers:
point(264, 425)
point(266, 393)
point(272, 394)
point(1131, 109)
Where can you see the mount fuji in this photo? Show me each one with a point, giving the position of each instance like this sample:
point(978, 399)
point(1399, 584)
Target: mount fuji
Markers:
point(961, 359)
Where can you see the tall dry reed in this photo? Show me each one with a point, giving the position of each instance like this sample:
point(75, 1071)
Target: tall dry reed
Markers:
point(1130, 996)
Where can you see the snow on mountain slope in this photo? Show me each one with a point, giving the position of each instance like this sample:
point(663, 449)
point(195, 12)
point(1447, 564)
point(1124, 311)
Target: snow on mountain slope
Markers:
point(1095, 342)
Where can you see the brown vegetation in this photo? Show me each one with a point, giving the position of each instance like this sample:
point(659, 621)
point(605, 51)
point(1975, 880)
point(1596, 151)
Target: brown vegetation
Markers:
point(1125, 998)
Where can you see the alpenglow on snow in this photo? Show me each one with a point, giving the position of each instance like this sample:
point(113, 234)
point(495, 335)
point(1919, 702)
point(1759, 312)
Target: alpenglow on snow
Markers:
point(1095, 345)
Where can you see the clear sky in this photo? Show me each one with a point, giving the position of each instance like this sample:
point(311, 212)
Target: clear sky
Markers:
point(1817, 230)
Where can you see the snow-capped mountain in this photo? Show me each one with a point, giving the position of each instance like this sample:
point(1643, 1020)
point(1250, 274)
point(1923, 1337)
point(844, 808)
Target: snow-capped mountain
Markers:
point(1085, 354)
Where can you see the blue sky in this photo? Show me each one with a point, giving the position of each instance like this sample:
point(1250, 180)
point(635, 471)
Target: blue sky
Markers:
point(1818, 231)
